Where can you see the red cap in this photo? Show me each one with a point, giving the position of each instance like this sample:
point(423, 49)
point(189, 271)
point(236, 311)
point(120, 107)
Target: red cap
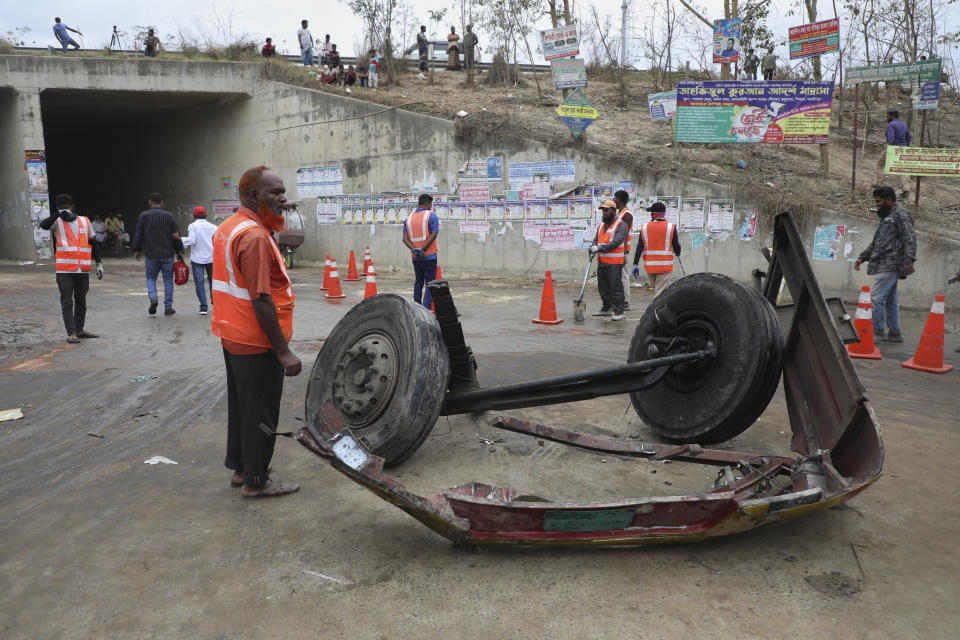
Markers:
point(199, 212)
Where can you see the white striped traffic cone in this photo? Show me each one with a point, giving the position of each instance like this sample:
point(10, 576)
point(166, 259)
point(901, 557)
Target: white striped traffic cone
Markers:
point(864, 325)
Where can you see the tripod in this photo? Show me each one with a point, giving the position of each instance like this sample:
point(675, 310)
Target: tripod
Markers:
point(116, 41)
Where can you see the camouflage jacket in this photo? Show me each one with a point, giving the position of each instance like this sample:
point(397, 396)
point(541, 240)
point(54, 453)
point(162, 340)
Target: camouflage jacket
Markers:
point(893, 245)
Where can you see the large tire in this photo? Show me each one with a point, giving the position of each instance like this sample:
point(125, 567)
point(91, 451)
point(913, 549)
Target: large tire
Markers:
point(719, 399)
point(385, 368)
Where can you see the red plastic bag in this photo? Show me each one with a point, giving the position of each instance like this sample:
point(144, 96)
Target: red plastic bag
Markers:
point(181, 273)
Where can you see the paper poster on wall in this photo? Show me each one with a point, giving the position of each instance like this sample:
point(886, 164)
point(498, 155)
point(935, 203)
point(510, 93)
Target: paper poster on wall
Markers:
point(495, 210)
point(223, 208)
point(582, 208)
point(556, 210)
point(828, 242)
point(531, 230)
point(749, 227)
point(541, 184)
point(691, 214)
point(513, 211)
point(442, 209)
point(513, 195)
point(720, 216)
point(559, 170)
point(476, 211)
point(672, 203)
point(226, 182)
point(535, 210)
point(556, 238)
point(458, 211)
point(313, 182)
point(482, 170)
point(37, 172)
point(697, 240)
point(475, 192)
point(39, 211)
point(474, 227)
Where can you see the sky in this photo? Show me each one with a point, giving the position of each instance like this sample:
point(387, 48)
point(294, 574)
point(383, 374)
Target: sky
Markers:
point(282, 19)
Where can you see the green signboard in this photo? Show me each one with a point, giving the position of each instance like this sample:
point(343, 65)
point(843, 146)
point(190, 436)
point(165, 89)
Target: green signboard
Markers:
point(906, 72)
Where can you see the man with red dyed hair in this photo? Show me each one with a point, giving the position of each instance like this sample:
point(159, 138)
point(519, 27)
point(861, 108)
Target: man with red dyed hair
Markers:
point(253, 316)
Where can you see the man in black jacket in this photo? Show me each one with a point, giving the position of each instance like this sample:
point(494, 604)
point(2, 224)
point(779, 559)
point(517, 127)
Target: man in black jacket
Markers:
point(158, 237)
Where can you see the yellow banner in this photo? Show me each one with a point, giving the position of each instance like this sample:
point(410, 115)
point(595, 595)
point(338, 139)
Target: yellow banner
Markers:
point(923, 161)
point(574, 111)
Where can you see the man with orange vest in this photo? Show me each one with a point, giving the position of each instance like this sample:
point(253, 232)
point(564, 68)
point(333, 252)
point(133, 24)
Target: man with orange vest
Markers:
point(622, 198)
point(609, 245)
point(76, 251)
point(420, 235)
point(253, 317)
point(652, 244)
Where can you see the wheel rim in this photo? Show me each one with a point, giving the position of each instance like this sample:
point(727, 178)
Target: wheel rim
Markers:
point(365, 378)
point(699, 331)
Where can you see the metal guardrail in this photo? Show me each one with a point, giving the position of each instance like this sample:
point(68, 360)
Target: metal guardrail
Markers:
point(345, 60)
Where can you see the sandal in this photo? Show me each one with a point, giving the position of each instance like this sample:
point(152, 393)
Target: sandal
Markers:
point(73, 339)
point(236, 480)
point(271, 489)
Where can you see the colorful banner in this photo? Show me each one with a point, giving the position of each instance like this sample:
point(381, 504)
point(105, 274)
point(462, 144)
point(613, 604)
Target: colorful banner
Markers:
point(568, 73)
point(663, 106)
point(559, 170)
point(577, 112)
point(923, 161)
point(904, 72)
point(749, 112)
point(561, 42)
point(814, 39)
point(726, 40)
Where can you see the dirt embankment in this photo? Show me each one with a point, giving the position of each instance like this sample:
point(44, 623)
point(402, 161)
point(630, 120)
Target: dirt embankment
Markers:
point(777, 176)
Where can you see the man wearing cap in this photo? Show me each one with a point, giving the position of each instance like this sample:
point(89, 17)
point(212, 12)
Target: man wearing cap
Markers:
point(655, 237)
point(609, 245)
point(621, 198)
point(200, 238)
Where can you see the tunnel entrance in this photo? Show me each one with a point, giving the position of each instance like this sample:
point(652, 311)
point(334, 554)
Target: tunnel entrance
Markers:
point(110, 149)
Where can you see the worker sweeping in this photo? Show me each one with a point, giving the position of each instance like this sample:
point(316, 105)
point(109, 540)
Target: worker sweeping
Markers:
point(652, 245)
point(609, 246)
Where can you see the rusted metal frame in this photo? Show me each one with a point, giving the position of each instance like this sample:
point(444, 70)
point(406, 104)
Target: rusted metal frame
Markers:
point(634, 376)
point(684, 453)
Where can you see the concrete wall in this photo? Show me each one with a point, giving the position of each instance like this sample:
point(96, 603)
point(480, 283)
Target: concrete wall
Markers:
point(387, 150)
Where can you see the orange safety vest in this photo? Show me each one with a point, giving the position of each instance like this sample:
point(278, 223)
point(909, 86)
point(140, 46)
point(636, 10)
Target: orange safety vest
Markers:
point(629, 229)
point(657, 246)
point(606, 234)
point(233, 316)
point(74, 253)
point(418, 228)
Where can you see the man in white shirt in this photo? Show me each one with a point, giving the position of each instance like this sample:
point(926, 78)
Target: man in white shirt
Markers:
point(305, 38)
point(200, 240)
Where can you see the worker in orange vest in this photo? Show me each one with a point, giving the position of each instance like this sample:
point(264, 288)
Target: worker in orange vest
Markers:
point(622, 198)
point(657, 243)
point(420, 231)
point(76, 252)
point(253, 317)
point(609, 245)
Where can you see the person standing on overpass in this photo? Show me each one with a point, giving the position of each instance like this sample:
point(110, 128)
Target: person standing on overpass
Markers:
point(60, 31)
point(657, 244)
point(253, 317)
point(420, 235)
point(305, 38)
point(76, 251)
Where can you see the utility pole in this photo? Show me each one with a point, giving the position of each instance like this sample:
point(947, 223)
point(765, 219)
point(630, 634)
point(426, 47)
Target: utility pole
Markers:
point(623, 34)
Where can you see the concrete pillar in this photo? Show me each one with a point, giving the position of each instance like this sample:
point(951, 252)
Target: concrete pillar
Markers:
point(21, 128)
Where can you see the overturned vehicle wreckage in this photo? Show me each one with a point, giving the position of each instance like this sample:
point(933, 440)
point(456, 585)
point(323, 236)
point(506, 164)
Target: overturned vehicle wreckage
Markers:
point(709, 349)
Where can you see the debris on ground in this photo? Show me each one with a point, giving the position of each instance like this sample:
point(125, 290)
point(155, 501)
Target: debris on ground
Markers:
point(11, 414)
point(158, 459)
point(142, 378)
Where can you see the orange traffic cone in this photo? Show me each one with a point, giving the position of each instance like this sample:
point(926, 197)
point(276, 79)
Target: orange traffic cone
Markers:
point(371, 289)
point(352, 269)
point(433, 307)
point(326, 273)
point(929, 355)
point(335, 291)
point(548, 310)
point(864, 324)
point(367, 260)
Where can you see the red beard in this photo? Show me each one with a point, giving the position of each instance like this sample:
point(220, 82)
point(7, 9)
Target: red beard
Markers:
point(273, 221)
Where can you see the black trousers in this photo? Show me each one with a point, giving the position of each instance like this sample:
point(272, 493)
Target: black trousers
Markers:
point(254, 386)
point(610, 283)
point(73, 299)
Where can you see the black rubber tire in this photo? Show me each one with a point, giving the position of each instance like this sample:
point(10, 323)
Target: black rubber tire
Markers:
point(716, 402)
point(422, 370)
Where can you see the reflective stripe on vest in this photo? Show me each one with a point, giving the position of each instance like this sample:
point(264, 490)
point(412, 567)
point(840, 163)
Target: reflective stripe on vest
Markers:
point(605, 235)
point(657, 252)
point(628, 243)
point(418, 229)
point(234, 318)
point(73, 253)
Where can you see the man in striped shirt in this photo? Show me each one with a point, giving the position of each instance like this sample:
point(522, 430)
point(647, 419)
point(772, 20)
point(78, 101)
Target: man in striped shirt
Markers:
point(158, 238)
